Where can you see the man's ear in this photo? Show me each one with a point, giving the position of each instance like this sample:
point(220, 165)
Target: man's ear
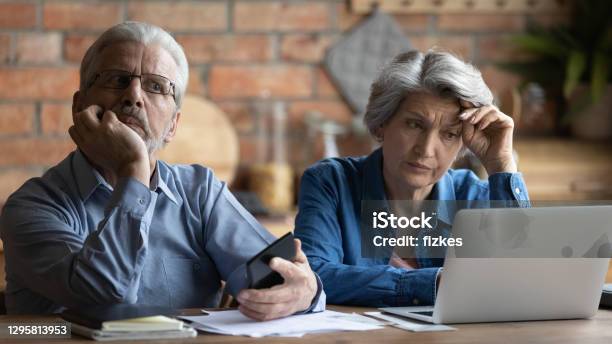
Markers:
point(76, 102)
point(173, 126)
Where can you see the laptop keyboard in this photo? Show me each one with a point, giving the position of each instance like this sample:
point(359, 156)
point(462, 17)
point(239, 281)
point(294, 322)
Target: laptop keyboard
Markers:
point(428, 313)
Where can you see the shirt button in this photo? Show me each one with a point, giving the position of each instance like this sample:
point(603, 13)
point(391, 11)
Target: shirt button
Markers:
point(196, 266)
point(415, 301)
point(517, 190)
point(141, 201)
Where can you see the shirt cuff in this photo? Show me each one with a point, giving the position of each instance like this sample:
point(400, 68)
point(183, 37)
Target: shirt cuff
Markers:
point(133, 197)
point(319, 301)
point(436, 283)
point(508, 186)
point(417, 287)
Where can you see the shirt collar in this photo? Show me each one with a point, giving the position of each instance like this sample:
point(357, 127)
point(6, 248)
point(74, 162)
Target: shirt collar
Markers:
point(158, 182)
point(373, 187)
point(89, 179)
point(444, 192)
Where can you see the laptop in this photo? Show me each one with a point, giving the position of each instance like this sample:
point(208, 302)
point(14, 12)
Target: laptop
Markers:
point(606, 296)
point(561, 278)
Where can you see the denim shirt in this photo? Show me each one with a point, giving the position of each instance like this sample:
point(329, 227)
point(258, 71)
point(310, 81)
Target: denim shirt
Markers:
point(328, 223)
point(71, 240)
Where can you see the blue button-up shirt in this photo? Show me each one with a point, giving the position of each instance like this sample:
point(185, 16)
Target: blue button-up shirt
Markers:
point(328, 223)
point(70, 240)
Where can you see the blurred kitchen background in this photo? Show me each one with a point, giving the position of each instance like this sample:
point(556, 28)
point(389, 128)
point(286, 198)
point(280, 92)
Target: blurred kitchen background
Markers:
point(276, 85)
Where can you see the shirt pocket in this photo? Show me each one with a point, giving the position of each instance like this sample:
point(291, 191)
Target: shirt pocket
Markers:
point(192, 282)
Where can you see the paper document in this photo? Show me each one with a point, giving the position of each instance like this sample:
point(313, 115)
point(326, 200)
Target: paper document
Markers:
point(233, 322)
point(409, 325)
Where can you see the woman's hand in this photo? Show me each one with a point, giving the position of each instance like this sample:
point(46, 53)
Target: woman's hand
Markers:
point(487, 132)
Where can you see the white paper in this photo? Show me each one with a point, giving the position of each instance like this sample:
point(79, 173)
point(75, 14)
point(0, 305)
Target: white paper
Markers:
point(233, 322)
point(408, 325)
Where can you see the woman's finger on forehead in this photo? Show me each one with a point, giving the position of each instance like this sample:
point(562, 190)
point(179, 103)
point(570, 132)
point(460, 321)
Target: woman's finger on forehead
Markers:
point(488, 119)
point(478, 115)
point(468, 112)
point(466, 104)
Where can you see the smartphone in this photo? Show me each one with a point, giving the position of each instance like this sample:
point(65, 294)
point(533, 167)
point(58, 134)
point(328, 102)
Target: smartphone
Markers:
point(258, 271)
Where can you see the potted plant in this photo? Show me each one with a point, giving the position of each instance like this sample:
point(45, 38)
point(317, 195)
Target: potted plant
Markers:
point(574, 62)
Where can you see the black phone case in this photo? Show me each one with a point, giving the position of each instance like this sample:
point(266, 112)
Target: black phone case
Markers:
point(259, 273)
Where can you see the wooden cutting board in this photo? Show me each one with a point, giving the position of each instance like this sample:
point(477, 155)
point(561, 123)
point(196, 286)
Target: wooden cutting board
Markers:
point(204, 136)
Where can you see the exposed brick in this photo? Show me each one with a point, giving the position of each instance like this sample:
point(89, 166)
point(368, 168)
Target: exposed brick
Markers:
point(15, 15)
point(75, 46)
point(260, 81)
point(209, 48)
point(12, 179)
point(5, 48)
point(180, 16)
point(240, 114)
point(56, 118)
point(38, 83)
point(197, 83)
point(355, 145)
point(335, 110)
point(325, 87)
point(346, 19)
point(38, 48)
point(481, 22)
point(413, 22)
point(81, 15)
point(34, 151)
point(499, 81)
point(459, 45)
point(305, 48)
point(277, 16)
point(16, 118)
point(249, 149)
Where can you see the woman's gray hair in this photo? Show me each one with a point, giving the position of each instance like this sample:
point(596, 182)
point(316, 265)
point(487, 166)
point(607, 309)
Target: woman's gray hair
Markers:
point(439, 73)
point(146, 34)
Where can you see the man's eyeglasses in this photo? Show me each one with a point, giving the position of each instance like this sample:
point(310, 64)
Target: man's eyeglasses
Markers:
point(120, 80)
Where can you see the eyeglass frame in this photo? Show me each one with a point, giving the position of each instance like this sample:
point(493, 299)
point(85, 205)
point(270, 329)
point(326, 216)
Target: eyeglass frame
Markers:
point(132, 76)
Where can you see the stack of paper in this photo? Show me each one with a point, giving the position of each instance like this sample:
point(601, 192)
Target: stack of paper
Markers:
point(155, 327)
point(235, 323)
point(410, 325)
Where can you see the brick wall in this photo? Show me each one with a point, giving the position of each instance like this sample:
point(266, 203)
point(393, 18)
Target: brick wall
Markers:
point(239, 52)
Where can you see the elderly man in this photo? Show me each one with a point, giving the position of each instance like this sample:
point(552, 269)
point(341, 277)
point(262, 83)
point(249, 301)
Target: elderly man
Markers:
point(111, 224)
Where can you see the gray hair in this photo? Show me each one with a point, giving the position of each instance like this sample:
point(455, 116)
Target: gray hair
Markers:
point(439, 73)
point(146, 34)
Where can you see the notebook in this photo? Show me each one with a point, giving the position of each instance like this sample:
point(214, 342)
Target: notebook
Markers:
point(95, 317)
point(126, 322)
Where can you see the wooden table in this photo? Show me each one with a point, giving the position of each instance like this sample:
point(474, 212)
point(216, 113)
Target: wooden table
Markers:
point(596, 330)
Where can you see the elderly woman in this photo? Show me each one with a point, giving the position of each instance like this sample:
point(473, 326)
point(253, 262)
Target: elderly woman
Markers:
point(423, 109)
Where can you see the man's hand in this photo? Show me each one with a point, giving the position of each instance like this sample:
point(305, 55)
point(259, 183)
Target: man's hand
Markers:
point(111, 145)
point(294, 295)
point(487, 132)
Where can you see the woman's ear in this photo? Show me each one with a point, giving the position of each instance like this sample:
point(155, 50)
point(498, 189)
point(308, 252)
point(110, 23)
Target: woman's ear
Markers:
point(379, 134)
